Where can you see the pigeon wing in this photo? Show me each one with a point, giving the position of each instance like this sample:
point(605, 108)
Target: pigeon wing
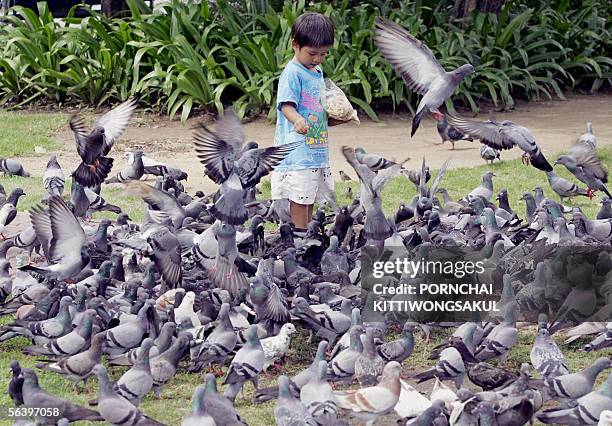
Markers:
point(42, 227)
point(410, 58)
point(587, 158)
point(68, 235)
point(487, 131)
point(77, 125)
point(256, 163)
point(115, 122)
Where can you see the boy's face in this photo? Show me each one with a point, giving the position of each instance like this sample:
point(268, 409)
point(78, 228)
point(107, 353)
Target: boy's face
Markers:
point(310, 56)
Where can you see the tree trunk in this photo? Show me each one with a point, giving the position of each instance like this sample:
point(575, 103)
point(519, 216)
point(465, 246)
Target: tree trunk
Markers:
point(113, 7)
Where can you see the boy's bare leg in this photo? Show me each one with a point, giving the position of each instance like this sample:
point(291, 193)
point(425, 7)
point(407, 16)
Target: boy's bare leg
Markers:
point(300, 214)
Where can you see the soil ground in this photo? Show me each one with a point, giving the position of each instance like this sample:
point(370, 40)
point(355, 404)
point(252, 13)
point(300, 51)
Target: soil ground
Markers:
point(555, 124)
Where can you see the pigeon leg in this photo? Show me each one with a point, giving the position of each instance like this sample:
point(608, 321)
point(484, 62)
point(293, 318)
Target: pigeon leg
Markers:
point(525, 159)
point(453, 145)
point(590, 193)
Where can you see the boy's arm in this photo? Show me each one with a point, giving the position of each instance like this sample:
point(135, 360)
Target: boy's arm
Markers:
point(291, 114)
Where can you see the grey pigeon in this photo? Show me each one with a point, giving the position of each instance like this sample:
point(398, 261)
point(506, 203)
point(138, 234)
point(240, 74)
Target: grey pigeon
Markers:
point(583, 163)
point(399, 349)
point(563, 187)
point(504, 135)
point(500, 340)
point(93, 147)
point(98, 203)
point(333, 259)
point(369, 364)
point(129, 334)
point(428, 416)
point(545, 355)
point(114, 408)
point(218, 345)
point(588, 138)
point(234, 169)
point(162, 205)
point(488, 153)
point(485, 189)
point(11, 167)
point(134, 171)
point(416, 64)
point(288, 410)
point(318, 397)
point(135, 383)
point(448, 132)
point(35, 397)
point(198, 415)
point(586, 411)
point(219, 407)
point(165, 365)
point(450, 366)
point(53, 178)
point(15, 387)
point(246, 365)
point(161, 343)
point(578, 384)
point(374, 161)
point(62, 239)
point(224, 272)
point(79, 366)
point(376, 227)
point(606, 209)
point(342, 366)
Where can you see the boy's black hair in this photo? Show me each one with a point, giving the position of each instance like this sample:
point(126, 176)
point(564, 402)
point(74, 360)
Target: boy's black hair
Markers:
point(313, 29)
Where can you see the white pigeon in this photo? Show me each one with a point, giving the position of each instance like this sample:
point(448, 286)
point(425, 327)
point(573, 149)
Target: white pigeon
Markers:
point(185, 310)
point(442, 392)
point(4, 213)
point(276, 347)
point(374, 401)
point(605, 418)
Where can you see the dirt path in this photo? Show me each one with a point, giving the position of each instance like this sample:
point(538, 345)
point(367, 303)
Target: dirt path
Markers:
point(555, 124)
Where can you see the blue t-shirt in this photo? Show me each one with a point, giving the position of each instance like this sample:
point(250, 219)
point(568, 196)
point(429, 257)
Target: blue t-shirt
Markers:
point(302, 87)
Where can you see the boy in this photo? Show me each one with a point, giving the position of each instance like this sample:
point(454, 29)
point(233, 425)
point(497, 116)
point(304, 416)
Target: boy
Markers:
point(300, 176)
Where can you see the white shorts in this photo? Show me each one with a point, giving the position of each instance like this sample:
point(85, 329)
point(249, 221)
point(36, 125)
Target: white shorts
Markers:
point(301, 186)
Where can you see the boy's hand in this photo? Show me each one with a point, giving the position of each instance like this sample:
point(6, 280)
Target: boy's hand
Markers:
point(300, 125)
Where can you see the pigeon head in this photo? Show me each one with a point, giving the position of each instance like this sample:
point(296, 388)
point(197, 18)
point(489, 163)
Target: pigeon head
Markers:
point(15, 367)
point(251, 335)
point(392, 371)
point(463, 70)
point(29, 376)
point(52, 161)
point(97, 133)
point(485, 408)
point(210, 384)
point(288, 329)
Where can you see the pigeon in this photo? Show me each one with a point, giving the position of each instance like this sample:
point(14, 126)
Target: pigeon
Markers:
point(376, 225)
point(371, 402)
point(246, 365)
point(373, 161)
point(219, 407)
point(79, 366)
point(114, 408)
point(13, 199)
point(53, 178)
point(504, 135)
point(12, 167)
point(99, 204)
point(129, 334)
point(15, 387)
point(62, 239)
point(162, 205)
point(485, 189)
point(185, 310)
point(584, 164)
point(36, 397)
point(93, 147)
point(224, 272)
point(545, 355)
point(6, 211)
point(577, 384)
point(235, 170)
point(290, 411)
point(500, 340)
point(606, 209)
point(449, 133)
point(450, 366)
point(429, 416)
point(399, 349)
point(165, 365)
point(275, 347)
point(416, 64)
point(135, 383)
point(318, 397)
point(133, 172)
point(588, 138)
point(369, 364)
point(198, 415)
point(563, 187)
point(603, 340)
point(586, 411)
point(488, 153)
point(218, 344)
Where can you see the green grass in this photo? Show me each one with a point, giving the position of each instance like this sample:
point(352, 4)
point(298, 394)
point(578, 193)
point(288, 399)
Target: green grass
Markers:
point(20, 133)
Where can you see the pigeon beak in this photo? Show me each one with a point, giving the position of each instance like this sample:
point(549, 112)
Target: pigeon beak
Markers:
point(404, 376)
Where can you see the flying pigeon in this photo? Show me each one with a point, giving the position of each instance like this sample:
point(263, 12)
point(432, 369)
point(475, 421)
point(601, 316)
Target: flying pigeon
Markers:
point(416, 64)
point(234, 169)
point(93, 147)
point(504, 135)
point(448, 132)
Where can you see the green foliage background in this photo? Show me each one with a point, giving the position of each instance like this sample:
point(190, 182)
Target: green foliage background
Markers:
point(210, 54)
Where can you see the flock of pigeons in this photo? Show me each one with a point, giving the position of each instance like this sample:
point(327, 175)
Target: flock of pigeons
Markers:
point(203, 279)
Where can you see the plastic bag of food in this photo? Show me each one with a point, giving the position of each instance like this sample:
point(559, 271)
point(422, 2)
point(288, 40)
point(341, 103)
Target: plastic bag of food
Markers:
point(336, 104)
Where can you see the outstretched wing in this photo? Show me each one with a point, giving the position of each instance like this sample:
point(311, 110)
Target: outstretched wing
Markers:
point(411, 58)
point(256, 163)
point(487, 131)
point(115, 122)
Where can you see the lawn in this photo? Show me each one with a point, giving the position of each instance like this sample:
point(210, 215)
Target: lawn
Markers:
point(21, 133)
